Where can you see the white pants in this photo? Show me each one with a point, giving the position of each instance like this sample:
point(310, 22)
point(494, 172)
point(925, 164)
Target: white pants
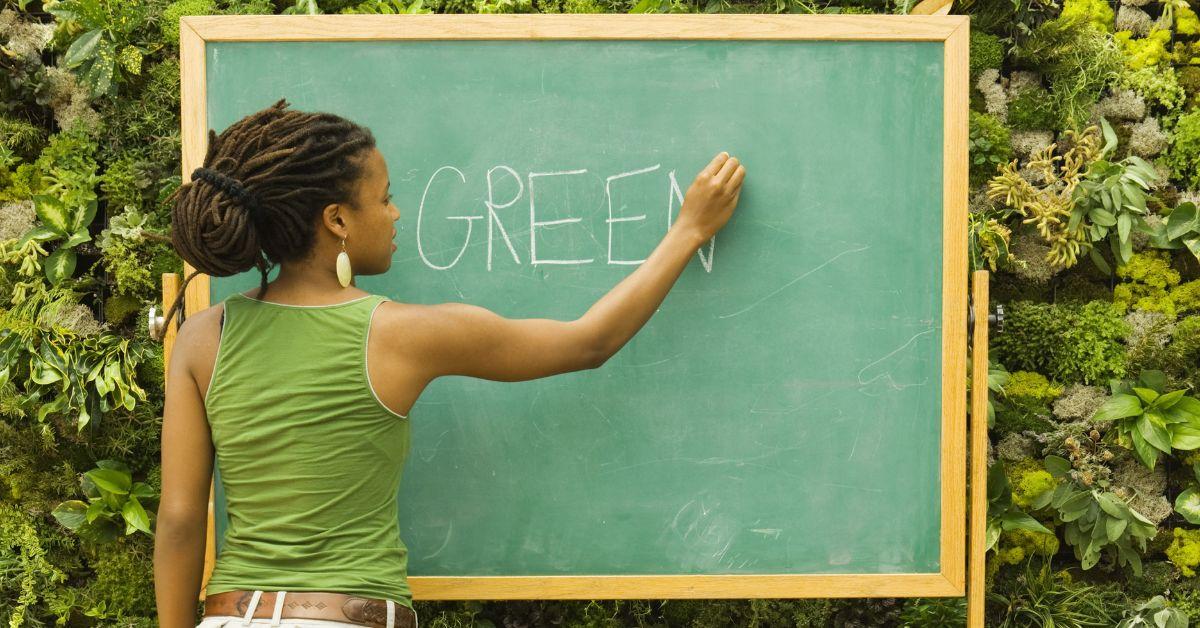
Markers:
point(234, 621)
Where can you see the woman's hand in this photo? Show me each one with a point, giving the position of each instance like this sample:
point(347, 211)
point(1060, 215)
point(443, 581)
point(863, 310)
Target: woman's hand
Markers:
point(710, 200)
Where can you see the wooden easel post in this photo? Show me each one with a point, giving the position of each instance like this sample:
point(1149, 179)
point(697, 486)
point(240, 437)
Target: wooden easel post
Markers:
point(197, 299)
point(978, 439)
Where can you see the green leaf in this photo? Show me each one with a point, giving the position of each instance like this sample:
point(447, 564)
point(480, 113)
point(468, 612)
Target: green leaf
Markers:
point(1181, 220)
point(1185, 437)
point(1153, 378)
point(96, 510)
point(1061, 494)
point(83, 47)
point(1076, 216)
point(81, 219)
point(143, 490)
point(1140, 517)
point(79, 237)
point(71, 513)
point(1188, 504)
point(115, 465)
point(997, 482)
point(1113, 528)
point(1123, 223)
point(60, 265)
point(1169, 399)
point(65, 11)
point(1042, 500)
point(1118, 407)
point(1112, 506)
point(53, 213)
point(40, 233)
point(1147, 395)
point(1193, 245)
point(993, 534)
point(1075, 507)
point(58, 405)
point(1015, 519)
point(1110, 137)
point(1187, 405)
point(1133, 193)
point(135, 517)
point(111, 480)
point(1100, 262)
point(1103, 217)
point(1175, 415)
point(1144, 450)
point(1057, 465)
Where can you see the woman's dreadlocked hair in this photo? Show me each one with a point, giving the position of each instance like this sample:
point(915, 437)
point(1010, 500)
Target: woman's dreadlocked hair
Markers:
point(264, 181)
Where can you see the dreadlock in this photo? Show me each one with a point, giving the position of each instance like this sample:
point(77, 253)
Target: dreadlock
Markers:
point(265, 179)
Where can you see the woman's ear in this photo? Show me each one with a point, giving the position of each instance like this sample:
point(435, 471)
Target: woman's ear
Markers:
point(333, 220)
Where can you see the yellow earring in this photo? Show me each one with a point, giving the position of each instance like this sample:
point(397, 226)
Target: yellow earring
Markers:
point(343, 266)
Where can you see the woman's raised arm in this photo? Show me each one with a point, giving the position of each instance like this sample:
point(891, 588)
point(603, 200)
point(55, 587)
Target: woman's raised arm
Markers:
point(462, 339)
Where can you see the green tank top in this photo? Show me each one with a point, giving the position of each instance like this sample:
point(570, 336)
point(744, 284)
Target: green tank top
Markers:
point(309, 457)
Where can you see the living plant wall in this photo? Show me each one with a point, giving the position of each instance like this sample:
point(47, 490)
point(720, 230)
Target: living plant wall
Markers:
point(1084, 177)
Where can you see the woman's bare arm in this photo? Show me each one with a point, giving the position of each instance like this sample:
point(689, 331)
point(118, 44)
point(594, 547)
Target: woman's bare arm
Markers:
point(462, 339)
point(187, 464)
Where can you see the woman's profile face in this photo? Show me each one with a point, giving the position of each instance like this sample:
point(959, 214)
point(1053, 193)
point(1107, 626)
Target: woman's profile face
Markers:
point(372, 232)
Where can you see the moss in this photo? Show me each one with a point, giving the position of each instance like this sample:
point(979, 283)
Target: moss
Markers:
point(169, 22)
point(124, 180)
point(986, 52)
point(28, 575)
point(753, 612)
point(1186, 21)
point(1184, 550)
point(1017, 545)
point(990, 145)
point(1029, 479)
point(1157, 576)
point(1012, 420)
point(1146, 52)
point(122, 583)
point(1031, 109)
point(1025, 404)
point(1147, 277)
point(1188, 601)
point(1189, 81)
point(1030, 390)
point(1177, 357)
point(1008, 287)
point(150, 370)
point(1186, 297)
point(118, 307)
point(1095, 12)
point(1078, 289)
point(1183, 151)
point(1077, 61)
point(1159, 85)
point(1068, 343)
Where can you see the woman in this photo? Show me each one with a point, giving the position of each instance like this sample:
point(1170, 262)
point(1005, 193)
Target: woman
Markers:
point(281, 390)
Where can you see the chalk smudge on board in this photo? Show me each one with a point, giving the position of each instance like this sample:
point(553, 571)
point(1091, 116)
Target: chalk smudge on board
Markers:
point(788, 284)
point(890, 381)
point(434, 448)
point(771, 532)
point(449, 531)
point(602, 415)
point(857, 488)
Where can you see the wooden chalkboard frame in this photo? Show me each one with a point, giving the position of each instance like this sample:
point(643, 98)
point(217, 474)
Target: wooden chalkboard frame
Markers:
point(951, 30)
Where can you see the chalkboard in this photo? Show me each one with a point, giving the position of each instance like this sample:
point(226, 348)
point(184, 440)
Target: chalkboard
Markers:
point(793, 411)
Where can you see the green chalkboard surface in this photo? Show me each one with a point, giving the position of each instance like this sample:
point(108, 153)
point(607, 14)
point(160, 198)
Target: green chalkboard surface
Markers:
point(780, 414)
